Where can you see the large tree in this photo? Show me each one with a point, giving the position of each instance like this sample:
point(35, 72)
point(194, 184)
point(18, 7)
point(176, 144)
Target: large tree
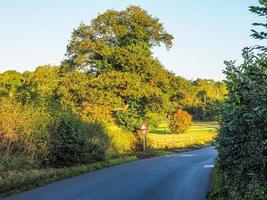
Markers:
point(115, 49)
point(118, 40)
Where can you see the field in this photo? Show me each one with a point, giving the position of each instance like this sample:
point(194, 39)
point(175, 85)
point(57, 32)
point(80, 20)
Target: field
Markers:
point(200, 133)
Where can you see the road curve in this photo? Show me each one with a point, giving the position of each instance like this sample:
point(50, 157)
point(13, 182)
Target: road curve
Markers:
point(181, 176)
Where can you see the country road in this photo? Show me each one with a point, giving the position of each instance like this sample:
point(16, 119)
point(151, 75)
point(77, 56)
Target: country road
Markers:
point(182, 176)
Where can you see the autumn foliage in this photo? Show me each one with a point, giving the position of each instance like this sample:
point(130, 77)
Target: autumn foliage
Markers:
point(180, 121)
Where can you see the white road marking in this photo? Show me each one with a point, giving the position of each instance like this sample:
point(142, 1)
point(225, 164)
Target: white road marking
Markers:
point(183, 155)
point(186, 155)
point(208, 166)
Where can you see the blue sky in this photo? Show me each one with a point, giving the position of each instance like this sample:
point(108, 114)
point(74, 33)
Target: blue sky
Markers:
point(207, 32)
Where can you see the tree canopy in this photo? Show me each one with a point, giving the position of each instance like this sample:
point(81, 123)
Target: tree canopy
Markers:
point(117, 40)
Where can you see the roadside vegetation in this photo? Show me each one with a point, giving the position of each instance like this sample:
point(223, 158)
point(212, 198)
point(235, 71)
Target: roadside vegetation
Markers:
point(21, 173)
point(180, 121)
point(18, 180)
point(59, 121)
point(240, 173)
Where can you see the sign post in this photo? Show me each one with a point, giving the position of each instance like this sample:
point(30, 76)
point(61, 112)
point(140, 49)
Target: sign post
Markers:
point(144, 128)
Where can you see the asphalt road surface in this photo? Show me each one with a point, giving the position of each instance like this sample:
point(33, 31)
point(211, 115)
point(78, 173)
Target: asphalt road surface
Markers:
point(182, 176)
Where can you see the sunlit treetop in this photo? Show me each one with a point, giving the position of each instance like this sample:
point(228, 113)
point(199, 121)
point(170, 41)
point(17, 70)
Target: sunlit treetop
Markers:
point(116, 40)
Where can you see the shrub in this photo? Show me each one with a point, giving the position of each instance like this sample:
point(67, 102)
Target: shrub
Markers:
point(23, 129)
point(242, 137)
point(180, 121)
point(97, 132)
point(36, 130)
point(11, 139)
point(121, 141)
point(69, 144)
point(48, 134)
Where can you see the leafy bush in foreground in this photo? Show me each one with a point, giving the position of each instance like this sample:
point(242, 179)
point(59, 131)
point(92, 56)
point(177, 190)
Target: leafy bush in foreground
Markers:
point(69, 144)
point(242, 137)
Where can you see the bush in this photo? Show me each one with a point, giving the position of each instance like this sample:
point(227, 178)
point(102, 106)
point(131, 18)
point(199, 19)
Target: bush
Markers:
point(180, 121)
point(97, 133)
point(23, 129)
point(69, 144)
point(11, 139)
point(121, 141)
point(48, 134)
point(242, 137)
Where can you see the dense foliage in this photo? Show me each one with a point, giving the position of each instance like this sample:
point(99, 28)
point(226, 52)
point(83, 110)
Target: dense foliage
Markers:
point(88, 107)
point(69, 144)
point(180, 121)
point(118, 41)
point(242, 139)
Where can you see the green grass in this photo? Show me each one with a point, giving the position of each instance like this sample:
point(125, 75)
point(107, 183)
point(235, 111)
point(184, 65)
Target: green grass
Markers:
point(21, 180)
point(218, 190)
point(200, 133)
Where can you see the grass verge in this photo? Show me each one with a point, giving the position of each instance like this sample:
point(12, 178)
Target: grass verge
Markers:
point(21, 180)
point(161, 142)
point(18, 181)
point(217, 184)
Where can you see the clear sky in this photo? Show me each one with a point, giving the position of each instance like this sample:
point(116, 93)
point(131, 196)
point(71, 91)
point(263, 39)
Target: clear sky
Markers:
point(207, 32)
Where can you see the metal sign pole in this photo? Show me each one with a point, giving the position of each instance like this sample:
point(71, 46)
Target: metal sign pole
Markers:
point(144, 140)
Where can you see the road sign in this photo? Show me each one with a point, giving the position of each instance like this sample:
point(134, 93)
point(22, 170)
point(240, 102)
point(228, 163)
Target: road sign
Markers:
point(144, 127)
